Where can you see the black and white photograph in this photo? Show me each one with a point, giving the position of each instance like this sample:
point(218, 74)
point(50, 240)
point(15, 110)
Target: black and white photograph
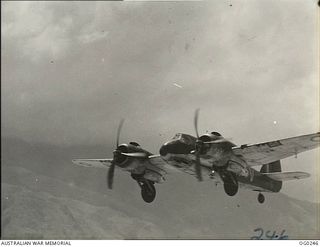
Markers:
point(160, 120)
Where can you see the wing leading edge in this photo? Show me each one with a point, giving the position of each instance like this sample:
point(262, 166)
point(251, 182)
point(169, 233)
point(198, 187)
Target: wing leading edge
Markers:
point(97, 163)
point(155, 169)
point(267, 152)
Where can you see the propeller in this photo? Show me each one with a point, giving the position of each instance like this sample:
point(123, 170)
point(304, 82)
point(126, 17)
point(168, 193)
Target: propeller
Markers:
point(117, 153)
point(110, 173)
point(198, 147)
point(119, 130)
point(196, 116)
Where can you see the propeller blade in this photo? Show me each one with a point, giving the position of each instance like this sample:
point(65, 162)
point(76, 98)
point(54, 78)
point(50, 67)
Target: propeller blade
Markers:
point(135, 155)
point(119, 130)
point(196, 151)
point(110, 175)
point(196, 115)
point(198, 167)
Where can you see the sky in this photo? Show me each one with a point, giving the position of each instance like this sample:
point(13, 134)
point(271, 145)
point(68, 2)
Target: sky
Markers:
point(72, 70)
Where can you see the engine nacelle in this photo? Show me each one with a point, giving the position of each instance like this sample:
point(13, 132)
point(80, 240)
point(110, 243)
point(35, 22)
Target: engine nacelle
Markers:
point(237, 168)
point(153, 176)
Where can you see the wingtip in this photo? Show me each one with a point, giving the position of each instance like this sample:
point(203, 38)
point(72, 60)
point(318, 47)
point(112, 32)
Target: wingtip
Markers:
point(307, 175)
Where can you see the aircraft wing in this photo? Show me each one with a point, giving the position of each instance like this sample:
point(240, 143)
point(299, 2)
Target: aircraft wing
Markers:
point(97, 163)
point(178, 167)
point(155, 167)
point(267, 152)
point(159, 165)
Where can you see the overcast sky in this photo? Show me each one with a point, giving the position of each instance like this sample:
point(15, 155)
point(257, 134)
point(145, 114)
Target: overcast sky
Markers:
point(72, 70)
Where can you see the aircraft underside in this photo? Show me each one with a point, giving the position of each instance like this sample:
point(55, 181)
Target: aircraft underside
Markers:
point(210, 155)
point(230, 182)
point(252, 179)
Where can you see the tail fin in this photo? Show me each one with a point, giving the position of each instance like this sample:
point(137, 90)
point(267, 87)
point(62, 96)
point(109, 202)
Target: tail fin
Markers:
point(271, 167)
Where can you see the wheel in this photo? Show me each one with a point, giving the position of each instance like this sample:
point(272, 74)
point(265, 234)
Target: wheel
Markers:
point(230, 184)
point(230, 189)
point(148, 193)
point(261, 198)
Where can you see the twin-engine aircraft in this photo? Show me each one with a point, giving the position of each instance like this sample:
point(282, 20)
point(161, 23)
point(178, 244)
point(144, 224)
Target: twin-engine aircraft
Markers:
point(209, 156)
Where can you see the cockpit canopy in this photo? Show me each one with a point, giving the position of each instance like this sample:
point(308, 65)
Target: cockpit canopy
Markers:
point(177, 136)
point(216, 133)
point(135, 144)
point(188, 139)
point(211, 137)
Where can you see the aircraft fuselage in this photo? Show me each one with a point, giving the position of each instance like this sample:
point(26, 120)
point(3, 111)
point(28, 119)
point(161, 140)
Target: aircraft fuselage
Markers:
point(214, 159)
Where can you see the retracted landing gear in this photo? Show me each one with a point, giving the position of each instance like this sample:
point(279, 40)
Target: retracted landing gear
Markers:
point(261, 198)
point(148, 191)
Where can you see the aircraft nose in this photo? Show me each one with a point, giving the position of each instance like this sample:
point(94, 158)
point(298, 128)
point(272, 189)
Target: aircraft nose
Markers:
point(165, 149)
point(169, 148)
point(175, 147)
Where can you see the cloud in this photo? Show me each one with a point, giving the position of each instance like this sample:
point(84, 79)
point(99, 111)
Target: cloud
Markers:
point(92, 37)
point(47, 30)
point(114, 60)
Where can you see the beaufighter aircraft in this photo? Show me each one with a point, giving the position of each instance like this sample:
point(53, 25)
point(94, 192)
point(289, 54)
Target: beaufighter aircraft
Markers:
point(212, 154)
point(232, 165)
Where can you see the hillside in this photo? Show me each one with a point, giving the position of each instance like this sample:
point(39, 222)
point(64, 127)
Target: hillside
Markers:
point(44, 196)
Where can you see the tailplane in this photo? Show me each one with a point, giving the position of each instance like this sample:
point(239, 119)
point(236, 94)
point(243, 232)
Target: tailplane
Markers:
point(273, 170)
point(287, 176)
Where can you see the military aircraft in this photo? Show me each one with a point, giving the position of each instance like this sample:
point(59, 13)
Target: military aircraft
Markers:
point(212, 154)
point(233, 165)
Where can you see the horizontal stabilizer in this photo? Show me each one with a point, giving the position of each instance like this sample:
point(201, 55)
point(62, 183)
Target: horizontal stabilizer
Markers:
point(285, 176)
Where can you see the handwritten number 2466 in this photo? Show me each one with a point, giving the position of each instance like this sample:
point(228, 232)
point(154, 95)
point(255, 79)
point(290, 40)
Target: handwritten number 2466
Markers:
point(268, 235)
